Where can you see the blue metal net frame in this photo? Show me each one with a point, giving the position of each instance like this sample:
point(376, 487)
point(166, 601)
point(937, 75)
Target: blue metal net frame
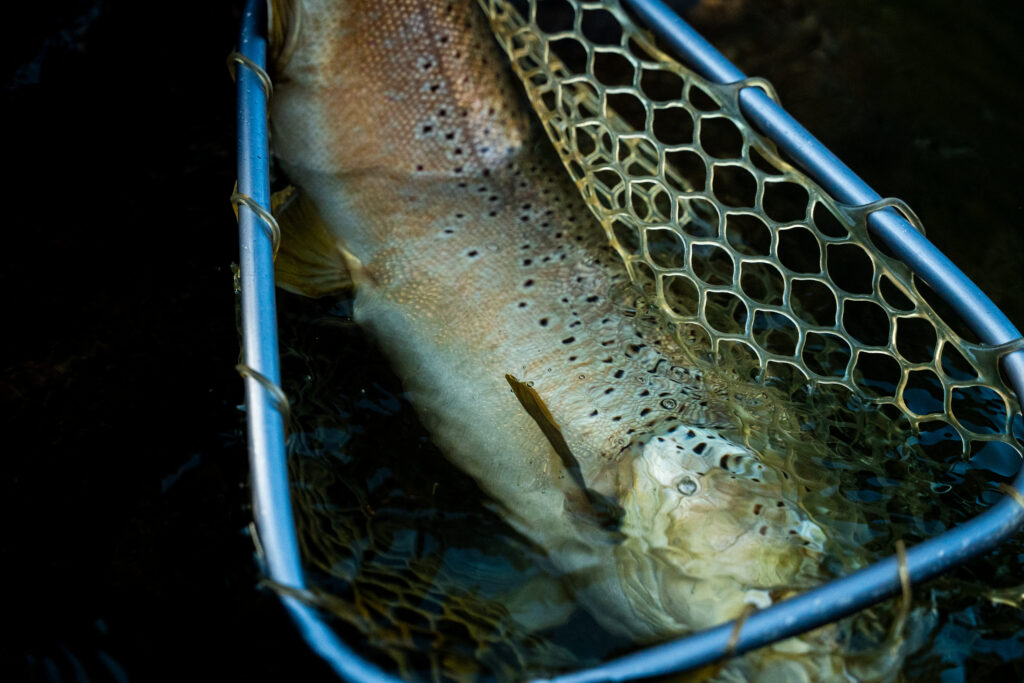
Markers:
point(266, 409)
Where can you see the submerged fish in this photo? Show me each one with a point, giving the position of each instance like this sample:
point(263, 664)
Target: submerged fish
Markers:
point(513, 325)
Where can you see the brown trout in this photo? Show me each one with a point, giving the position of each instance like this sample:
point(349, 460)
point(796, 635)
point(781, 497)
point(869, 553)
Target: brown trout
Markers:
point(425, 184)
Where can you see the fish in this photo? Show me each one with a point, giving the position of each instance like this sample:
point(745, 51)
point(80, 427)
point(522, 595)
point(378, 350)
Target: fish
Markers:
point(426, 187)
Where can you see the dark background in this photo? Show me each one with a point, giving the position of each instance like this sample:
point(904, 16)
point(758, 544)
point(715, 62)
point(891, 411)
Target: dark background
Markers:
point(124, 470)
point(124, 474)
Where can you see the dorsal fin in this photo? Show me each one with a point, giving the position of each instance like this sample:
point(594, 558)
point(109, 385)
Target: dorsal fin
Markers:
point(310, 261)
point(600, 508)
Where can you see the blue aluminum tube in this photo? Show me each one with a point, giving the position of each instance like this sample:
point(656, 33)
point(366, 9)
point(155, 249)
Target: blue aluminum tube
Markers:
point(259, 325)
point(272, 506)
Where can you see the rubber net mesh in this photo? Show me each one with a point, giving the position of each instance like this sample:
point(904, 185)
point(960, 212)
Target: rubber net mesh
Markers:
point(748, 258)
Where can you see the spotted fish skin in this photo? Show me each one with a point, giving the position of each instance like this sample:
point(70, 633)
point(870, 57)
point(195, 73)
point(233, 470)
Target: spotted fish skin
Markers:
point(475, 258)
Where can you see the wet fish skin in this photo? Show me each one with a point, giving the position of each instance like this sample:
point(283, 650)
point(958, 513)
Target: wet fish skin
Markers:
point(475, 258)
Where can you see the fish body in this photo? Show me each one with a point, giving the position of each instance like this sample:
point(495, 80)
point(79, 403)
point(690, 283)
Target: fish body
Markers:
point(477, 265)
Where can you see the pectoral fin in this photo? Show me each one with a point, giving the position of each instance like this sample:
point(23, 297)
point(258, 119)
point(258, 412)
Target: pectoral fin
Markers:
point(310, 261)
point(604, 511)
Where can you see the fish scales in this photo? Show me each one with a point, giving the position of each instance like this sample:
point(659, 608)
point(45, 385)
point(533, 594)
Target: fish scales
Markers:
point(474, 257)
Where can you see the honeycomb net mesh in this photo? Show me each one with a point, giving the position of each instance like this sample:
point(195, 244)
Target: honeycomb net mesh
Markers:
point(382, 571)
point(744, 256)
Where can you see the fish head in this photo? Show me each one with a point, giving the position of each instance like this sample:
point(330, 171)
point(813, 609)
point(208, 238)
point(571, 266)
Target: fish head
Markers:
point(709, 526)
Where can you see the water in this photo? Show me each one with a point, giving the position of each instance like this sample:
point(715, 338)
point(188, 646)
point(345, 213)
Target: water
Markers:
point(124, 474)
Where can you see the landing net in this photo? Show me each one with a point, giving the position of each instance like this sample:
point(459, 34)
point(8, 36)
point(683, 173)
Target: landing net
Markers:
point(754, 267)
